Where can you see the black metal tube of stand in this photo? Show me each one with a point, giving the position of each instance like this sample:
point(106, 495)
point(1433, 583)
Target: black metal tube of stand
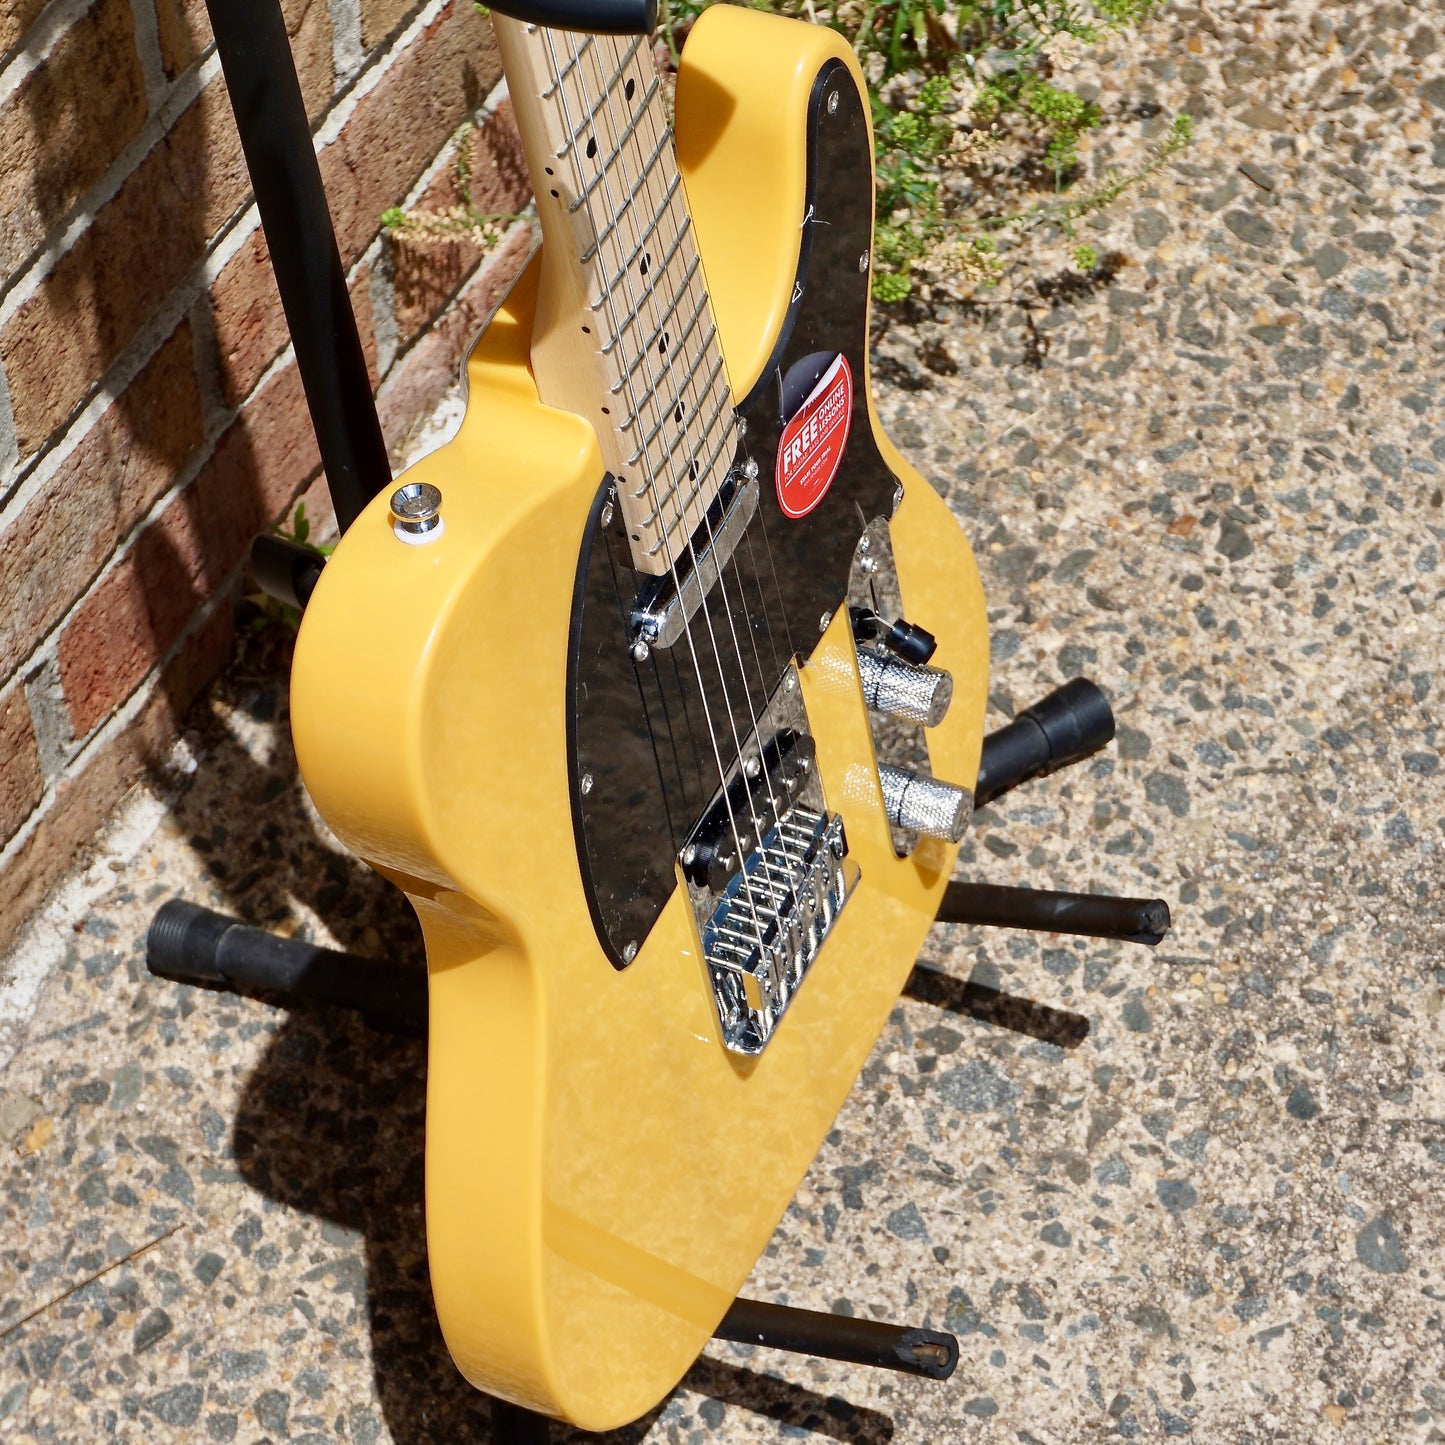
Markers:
point(1089, 915)
point(840, 1337)
point(276, 138)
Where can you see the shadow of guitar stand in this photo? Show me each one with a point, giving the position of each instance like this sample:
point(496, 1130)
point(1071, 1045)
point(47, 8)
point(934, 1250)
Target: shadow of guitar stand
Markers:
point(196, 946)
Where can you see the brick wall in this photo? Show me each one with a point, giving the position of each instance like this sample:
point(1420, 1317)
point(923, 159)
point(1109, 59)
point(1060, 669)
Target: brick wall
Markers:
point(151, 417)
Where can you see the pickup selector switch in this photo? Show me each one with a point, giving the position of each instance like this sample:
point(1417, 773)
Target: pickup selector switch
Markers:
point(920, 804)
point(906, 690)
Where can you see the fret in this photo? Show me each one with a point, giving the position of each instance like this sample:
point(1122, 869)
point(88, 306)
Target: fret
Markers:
point(621, 324)
point(709, 384)
point(574, 60)
point(720, 405)
point(617, 150)
point(641, 356)
point(654, 226)
point(664, 143)
point(682, 515)
point(710, 440)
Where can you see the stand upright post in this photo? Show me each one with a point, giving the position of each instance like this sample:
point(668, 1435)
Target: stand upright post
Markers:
point(270, 114)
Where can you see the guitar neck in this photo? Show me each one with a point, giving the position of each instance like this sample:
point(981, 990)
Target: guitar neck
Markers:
point(624, 332)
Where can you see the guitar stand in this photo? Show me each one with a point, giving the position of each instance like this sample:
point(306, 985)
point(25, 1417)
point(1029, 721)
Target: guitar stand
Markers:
point(196, 946)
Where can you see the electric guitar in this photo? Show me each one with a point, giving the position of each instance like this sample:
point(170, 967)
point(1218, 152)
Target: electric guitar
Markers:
point(659, 690)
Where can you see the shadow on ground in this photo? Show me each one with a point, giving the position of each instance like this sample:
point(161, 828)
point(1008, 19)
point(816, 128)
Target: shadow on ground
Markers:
point(332, 1118)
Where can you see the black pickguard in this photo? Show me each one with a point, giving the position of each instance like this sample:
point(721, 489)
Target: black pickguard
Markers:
point(643, 764)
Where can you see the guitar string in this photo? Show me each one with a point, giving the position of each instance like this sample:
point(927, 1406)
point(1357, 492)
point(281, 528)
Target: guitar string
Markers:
point(650, 298)
point(617, 214)
point(697, 757)
point(690, 383)
point(607, 300)
point(642, 696)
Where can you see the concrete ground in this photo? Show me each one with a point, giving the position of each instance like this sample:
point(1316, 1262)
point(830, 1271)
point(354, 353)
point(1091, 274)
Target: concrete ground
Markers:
point(1193, 1192)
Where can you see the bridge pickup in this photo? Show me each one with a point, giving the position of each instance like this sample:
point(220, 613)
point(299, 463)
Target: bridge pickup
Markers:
point(667, 603)
point(767, 872)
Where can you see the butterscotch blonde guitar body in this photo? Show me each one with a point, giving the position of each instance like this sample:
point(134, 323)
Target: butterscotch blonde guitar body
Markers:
point(601, 1172)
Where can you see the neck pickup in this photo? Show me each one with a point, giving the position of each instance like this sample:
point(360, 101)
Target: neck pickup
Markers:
point(666, 604)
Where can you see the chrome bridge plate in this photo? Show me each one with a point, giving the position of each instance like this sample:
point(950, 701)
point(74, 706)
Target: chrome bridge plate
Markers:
point(768, 873)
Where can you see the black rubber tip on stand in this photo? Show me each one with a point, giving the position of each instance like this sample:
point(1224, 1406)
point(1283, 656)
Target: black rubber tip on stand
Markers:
point(600, 17)
point(193, 945)
point(930, 1353)
point(1070, 724)
point(286, 570)
point(512, 1425)
point(1087, 915)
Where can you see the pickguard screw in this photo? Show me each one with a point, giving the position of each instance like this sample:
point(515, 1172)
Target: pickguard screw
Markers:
point(824, 620)
point(606, 517)
point(640, 650)
point(630, 952)
point(832, 102)
point(689, 855)
point(867, 564)
point(584, 784)
point(750, 469)
point(863, 261)
point(897, 495)
point(742, 425)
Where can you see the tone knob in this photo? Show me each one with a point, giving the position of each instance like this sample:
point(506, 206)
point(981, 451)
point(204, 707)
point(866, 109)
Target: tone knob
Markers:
point(920, 804)
point(904, 689)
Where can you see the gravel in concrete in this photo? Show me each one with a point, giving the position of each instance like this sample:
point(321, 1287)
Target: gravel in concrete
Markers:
point(1192, 1192)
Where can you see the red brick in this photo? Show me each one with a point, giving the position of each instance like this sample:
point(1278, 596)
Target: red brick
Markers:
point(140, 246)
point(250, 325)
point(424, 375)
point(67, 121)
point(399, 126)
point(16, 17)
point(185, 32)
point(143, 604)
point(360, 292)
point(379, 18)
point(96, 496)
point(86, 800)
point(20, 781)
point(426, 274)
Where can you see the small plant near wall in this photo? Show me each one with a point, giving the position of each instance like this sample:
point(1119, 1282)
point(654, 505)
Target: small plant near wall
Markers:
point(975, 112)
point(980, 122)
point(462, 222)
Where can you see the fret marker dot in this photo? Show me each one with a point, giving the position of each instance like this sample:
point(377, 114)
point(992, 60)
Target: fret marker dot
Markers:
point(587, 331)
point(591, 146)
point(549, 170)
point(693, 470)
point(645, 263)
point(553, 194)
point(629, 88)
point(677, 415)
point(662, 344)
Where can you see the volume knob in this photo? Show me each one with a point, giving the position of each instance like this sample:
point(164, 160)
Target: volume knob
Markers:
point(904, 689)
point(921, 804)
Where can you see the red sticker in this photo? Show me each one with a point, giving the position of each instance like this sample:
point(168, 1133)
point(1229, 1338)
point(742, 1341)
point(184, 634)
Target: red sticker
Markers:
point(811, 449)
